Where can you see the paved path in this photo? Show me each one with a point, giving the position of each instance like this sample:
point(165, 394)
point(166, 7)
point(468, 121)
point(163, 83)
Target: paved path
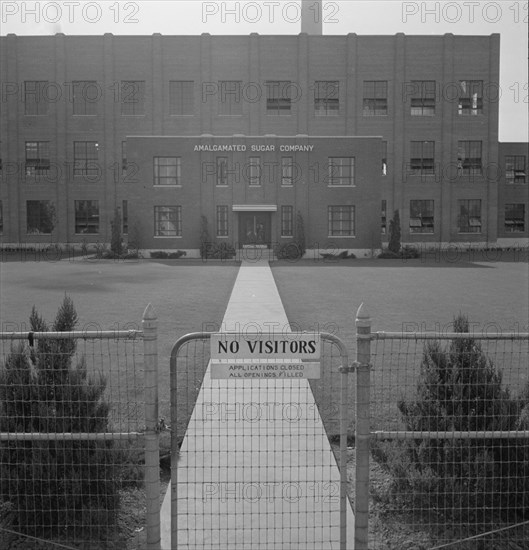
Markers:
point(256, 471)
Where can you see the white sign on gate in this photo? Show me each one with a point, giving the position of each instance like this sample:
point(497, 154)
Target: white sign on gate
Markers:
point(293, 346)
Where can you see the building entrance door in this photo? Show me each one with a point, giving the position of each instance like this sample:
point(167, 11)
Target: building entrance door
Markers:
point(255, 229)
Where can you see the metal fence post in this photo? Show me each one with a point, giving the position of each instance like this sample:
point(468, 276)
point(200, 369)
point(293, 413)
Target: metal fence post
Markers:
point(152, 438)
point(362, 436)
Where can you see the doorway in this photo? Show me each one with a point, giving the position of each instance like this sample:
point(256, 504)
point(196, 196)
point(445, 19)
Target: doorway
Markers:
point(255, 229)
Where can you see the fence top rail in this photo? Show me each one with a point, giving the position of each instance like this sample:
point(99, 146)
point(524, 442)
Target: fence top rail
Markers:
point(449, 335)
point(80, 334)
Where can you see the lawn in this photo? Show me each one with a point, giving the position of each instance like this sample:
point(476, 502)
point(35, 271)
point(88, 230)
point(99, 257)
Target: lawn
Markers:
point(406, 296)
point(187, 296)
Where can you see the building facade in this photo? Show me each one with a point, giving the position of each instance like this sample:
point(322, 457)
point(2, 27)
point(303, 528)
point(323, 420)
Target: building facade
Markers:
point(75, 109)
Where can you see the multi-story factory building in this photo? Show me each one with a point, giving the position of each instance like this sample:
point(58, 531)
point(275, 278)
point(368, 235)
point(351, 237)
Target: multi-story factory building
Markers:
point(252, 132)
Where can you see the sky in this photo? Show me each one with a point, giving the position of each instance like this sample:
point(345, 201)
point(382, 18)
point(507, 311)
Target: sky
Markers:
point(509, 18)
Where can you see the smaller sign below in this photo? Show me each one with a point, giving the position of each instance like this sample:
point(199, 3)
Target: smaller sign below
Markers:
point(269, 371)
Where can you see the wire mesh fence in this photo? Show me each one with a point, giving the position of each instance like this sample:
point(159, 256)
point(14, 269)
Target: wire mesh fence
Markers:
point(252, 463)
point(449, 440)
point(72, 433)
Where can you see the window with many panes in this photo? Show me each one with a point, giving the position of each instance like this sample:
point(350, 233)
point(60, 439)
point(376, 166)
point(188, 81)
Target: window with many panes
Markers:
point(167, 170)
point(326, 98)
point(167, 221)
point(287, 171)
point(469, 218)
point(181, 97)
point(222, 221)
point(383, 225)
point(85, 96)
point(86, 217)
point(515, 169)
point(375, 98)
point(254, 171)
point(278, 97)
point(36, 100)
point(470, 97)
point(37, 158)
point(85, 157)
point(422, 157)
point(469, 157)
point(132, 97)
point(222, 171)
point(341, 221)
point(40, 217)
point(341, 171)
point(421, 216)
point(287, 221)
point(422, 98)
point(515, 218)
point(230, 99)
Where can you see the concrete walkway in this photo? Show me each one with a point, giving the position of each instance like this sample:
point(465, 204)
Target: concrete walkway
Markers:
point(256, 470)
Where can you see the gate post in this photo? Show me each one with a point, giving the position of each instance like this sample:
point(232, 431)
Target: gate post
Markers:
point(152, 438)
point(363, 429)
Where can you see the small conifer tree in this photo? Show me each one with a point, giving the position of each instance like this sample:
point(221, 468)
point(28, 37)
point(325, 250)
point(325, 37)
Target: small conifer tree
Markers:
point(394, 233)
point(55, 485)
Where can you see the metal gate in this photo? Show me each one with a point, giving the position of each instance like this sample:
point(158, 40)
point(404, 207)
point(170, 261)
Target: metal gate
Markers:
point(252, 465)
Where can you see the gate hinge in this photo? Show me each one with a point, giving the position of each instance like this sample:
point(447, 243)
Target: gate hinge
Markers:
point(353, 366)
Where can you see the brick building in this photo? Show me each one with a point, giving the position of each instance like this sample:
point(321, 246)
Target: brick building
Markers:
point(91, 123)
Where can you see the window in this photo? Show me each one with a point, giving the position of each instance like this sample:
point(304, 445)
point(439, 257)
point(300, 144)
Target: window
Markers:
point(341, 221)
point(423, 98)
point(222, 170)
point(36, 97)
point(222, 221)
point(40, 217)
point(384, 158)
point(515, 169)
point(85, 97)
point(167, 221)
point(421, 216)
point(326, 98)
point(255, 170)
point(469, 157)
point(123, 158)
point(515, 218)
point(230, 100)
point(422, 154)
point(167, 170)
point(341, 171)
point(181, 97)
point(37, 158)
point(469, 220)
point(1, 219)
point(132, 97)
point(86, 217)
point(125, 217)
point(278, 97)
point(85, 155)
point(470, 97)
point(287, 171)
point(287, 221)
point(383, 227)
point(375, 97)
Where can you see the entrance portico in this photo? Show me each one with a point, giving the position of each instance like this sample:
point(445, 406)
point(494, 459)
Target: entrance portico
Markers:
point(255, 228)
